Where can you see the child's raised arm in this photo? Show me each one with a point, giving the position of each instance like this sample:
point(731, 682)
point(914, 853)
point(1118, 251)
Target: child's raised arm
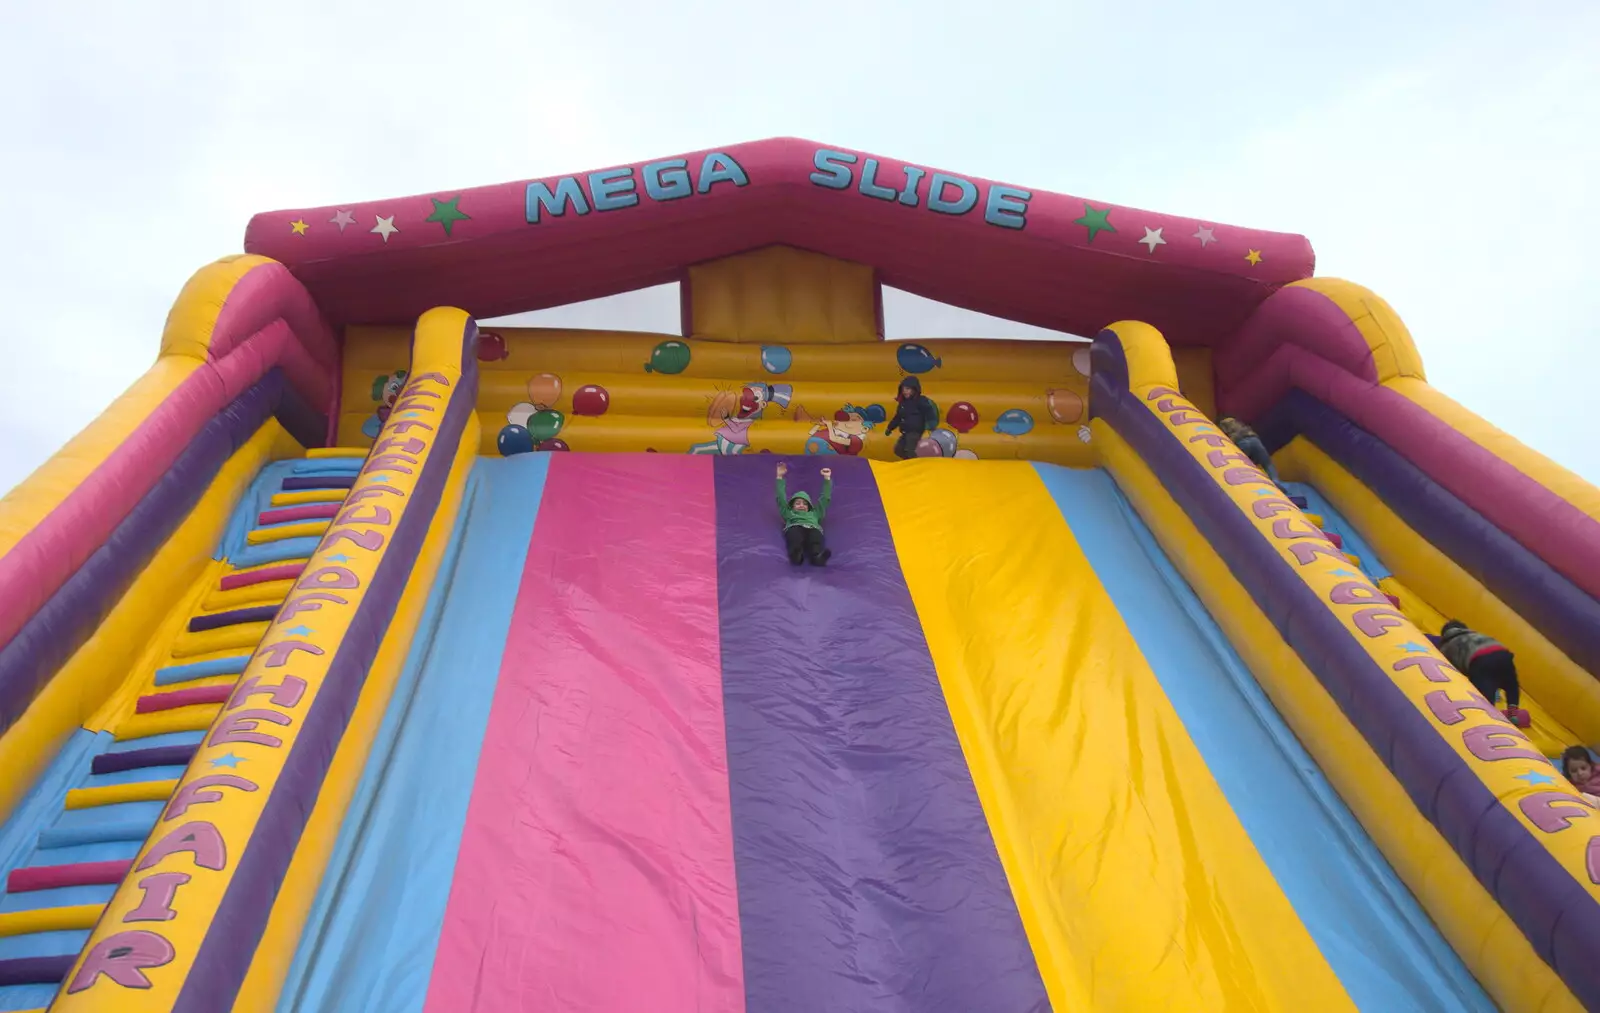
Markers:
point(827, 493)
point(783, 493)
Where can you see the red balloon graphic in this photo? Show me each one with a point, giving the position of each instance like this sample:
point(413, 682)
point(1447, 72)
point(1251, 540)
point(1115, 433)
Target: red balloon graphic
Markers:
point(590, 399)
point(491, 347)
point(961, 417)
point(552, 445)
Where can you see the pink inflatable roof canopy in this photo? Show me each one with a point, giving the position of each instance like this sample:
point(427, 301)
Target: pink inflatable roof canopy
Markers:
point(1040, 258)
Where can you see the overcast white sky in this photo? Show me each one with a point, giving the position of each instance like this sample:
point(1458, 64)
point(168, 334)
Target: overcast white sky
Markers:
point(1446, 155)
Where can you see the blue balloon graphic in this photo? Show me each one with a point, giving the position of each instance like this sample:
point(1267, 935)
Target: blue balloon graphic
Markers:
point(946, 441)
point(1013, 422)
point(370, 427)
point(776, 358)
point(916, 359)
point(514, 439)
point(874, 414)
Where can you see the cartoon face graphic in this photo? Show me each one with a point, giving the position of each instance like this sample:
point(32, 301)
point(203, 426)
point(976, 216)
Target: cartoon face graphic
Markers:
point(845, 433)
point(751, 400)
point(385, 391)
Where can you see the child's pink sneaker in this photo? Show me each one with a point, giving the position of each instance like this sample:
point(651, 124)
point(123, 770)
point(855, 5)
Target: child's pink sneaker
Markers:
point(1518, 717)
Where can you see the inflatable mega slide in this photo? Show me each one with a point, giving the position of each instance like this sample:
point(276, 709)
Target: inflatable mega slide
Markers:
point(363, 658)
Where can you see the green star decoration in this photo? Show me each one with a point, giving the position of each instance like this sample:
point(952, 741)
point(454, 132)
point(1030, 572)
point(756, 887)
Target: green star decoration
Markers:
point(1096, 220)
point(446, 213)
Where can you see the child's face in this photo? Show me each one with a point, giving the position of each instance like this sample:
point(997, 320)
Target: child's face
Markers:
point(799, 503)
point(1579, 771)
point(905, 392)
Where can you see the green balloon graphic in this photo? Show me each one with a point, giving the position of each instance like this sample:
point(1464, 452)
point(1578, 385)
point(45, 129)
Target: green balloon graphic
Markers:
point(669, 357)
point(545, 424)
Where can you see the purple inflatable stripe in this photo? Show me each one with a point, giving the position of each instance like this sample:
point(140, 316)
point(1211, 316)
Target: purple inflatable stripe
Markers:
point(867, 875)
point(67, 619)
point(1527, 881)
point(136, 759)
point(36, 970)
point(233, 617)
point(299, 482)
point(1551, 603)
point(231, 938)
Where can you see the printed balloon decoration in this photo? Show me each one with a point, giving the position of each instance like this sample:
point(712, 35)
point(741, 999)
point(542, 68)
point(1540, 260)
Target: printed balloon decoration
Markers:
point(916, 359)
point(545, 424)
point(1066, 406)
point(1013, 422)
point(946, 441)
point(874, 414)
point(776, 358)
point(544, 390)
point(961, 417)
point(927, 447)
point(966, 455)
point(491, 347)
point(514, 440)
point(1080, 360)
point(669, 357)
point(520, 413)
point(591, 399)
point(552, 445)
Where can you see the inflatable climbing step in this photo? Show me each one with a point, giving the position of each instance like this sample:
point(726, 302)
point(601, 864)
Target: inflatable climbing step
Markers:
point(53, 899)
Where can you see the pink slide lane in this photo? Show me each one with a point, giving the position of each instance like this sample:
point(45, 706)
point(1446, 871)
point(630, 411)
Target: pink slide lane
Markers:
point(596, 867)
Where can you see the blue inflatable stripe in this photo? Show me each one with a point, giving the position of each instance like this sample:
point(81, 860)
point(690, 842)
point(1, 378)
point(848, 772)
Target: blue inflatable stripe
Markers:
point(275, 552)
point(96, 833)
point(173, 674)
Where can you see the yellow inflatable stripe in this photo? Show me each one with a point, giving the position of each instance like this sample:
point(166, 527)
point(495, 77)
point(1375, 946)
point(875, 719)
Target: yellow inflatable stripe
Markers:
point(319, 453)
point(1137, 885)
point(302, 496)
point(114, 794)
point(1555, 680)
point(194, 718)
point(49, 919)
point(243, 637)
point(272, 592)
point(260, 536)
point(1492, 946)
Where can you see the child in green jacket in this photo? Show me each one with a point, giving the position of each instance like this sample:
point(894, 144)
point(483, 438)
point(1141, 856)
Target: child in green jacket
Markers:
point(802, 522)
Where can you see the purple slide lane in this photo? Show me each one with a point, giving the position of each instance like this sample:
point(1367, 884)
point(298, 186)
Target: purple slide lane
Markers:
point(868, 879)
point(596, 871)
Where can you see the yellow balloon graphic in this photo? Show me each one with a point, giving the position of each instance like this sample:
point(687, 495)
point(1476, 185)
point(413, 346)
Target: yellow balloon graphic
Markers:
point(544, 390)
point(1065, 405)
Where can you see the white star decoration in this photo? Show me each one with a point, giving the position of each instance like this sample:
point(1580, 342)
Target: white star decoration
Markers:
point(341, 219)
point(1205, 236)
point(1152, 238)
point(385, 227)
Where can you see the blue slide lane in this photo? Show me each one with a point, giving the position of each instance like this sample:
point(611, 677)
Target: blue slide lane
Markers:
point(1385, 950)
point(369, 940)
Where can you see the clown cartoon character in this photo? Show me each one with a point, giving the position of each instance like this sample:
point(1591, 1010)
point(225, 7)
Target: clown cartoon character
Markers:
point(732, 413)
point(385, 389)
point(845, 433)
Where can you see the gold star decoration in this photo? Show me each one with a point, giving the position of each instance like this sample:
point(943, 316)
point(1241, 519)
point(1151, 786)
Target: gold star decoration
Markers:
point(1254, 257)
point(299, 226)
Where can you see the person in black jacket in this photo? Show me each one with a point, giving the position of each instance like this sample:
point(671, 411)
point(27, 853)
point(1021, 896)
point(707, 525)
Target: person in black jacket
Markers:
point(914, 415)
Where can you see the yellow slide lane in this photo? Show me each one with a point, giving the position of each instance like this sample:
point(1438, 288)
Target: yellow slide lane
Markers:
point(1136, 883)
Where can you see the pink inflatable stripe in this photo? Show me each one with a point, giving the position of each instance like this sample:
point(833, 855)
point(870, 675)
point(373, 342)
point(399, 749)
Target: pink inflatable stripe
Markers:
point(285, 571)
point(596, 865)
point(309, 512)
point(152, 702)
point(51, 877)
point(45, 557)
